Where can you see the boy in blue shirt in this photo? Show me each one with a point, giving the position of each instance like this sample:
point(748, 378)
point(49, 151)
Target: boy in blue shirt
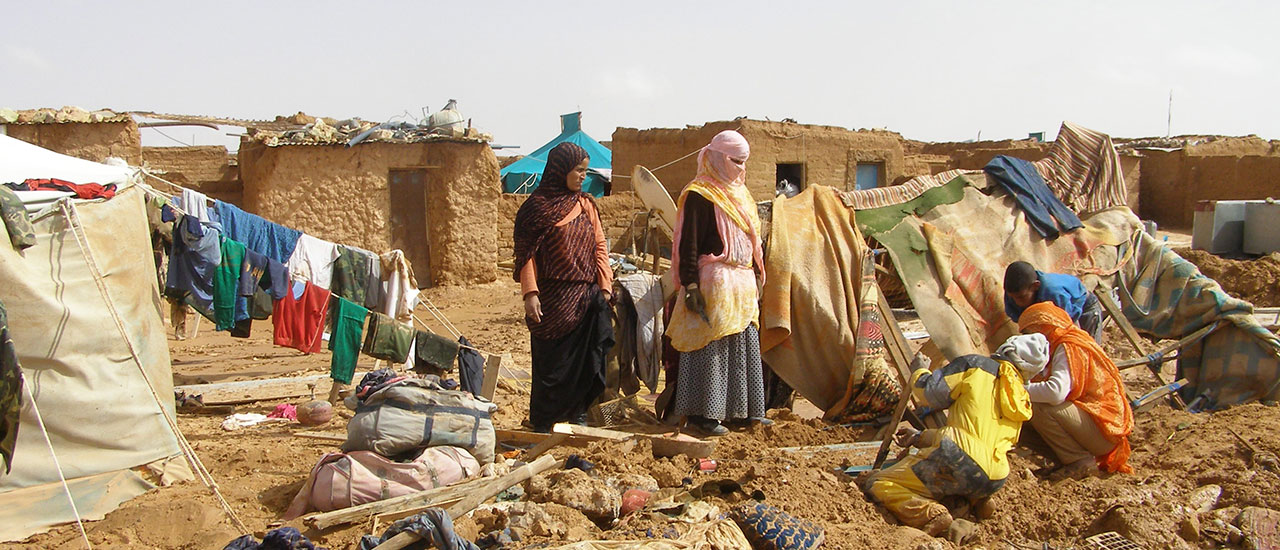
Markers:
point(1025, 285)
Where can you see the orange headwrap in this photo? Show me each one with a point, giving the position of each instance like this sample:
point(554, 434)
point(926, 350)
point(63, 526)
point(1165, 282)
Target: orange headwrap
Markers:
point(1096, 387)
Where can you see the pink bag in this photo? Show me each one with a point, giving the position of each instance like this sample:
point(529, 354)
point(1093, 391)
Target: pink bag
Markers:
point(342, 480)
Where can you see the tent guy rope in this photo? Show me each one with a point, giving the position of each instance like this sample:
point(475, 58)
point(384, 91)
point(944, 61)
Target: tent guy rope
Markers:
point(57, 465)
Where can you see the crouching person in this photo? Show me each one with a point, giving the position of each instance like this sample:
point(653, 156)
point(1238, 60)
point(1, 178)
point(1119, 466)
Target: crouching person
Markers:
point(986, 404)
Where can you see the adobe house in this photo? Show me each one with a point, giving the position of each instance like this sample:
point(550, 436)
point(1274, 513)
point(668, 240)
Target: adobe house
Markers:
point(434, 197)
point(1177, 173)
point(78, 133)
point(804, 154)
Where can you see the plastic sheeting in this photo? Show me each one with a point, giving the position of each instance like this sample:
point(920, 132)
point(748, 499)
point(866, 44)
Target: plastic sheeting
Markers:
point(77, 342)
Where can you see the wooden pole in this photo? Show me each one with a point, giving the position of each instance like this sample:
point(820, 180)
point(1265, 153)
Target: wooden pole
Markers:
point(903, 401)
point(1113, 309)
point(477, 497)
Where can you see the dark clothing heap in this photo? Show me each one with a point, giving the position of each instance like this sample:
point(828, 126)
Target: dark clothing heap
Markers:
point(1045, 212)
point(568, 372)
point(284, 538)
point(434, 527)
point(82, 190)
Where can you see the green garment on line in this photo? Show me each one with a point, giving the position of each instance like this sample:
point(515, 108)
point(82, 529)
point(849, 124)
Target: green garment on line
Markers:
point(10, 392)
point(351, 275)
point(344, 338)
point(21, 234)
point(435, 351)
point(388, 339)
point(226, 282)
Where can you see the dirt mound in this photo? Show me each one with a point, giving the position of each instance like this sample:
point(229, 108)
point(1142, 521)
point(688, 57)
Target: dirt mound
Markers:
point(1256, 281)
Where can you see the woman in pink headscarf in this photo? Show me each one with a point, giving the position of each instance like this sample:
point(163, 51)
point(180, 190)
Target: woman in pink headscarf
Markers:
point(718, 261)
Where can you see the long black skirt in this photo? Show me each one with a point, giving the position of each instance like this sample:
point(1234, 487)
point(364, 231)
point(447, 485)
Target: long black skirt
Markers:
point(568, 372)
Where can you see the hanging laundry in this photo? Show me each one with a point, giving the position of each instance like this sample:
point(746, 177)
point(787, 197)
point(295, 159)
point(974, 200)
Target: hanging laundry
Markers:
point(645, 292)
point(344, 338)
point(226, 285)
point(195, 255)
point(387, 339)
point(1046, 214)
point(312, 260)
point(21, 234)
point(374, 294)
point(299, 317)
point(401, 288)
point(470, 367)
point(82, 190)
point(194, 203)
point(433, 351)
point(351, 274)
point(258, 234)
point(10, 392)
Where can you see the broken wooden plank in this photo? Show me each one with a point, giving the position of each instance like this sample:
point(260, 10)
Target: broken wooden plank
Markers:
point(1113, 309)
point(1163, 354)
point(554, 440)
point(835, 447)
point(250, 391)
point(477, 497)
point(901, 353)
point(492, 367)
point(664, 445)
point(1152, 396)
point(903, 401)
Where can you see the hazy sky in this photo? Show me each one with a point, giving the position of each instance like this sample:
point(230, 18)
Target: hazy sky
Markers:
point(937, 71)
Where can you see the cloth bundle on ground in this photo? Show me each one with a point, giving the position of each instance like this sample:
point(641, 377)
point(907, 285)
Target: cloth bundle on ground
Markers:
point(284, 538)
point(434, 527)
point(1167, 297)
point(412, 414)
point(342, 480)
point(769, 527)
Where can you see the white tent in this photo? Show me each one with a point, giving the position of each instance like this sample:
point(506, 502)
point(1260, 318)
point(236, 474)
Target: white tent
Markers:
point(84, 314)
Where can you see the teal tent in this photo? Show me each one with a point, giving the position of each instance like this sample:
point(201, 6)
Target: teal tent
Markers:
point(523, 176)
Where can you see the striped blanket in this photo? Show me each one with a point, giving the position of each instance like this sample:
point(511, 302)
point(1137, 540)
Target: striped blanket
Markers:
point(1166, 296)
point(1083, 170)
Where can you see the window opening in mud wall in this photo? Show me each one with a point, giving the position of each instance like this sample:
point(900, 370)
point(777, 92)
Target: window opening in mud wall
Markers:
point(791, 172)
point(869, 175)
point(408, 220)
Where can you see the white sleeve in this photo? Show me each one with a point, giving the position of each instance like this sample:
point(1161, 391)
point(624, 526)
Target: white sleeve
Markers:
point(1053, 390)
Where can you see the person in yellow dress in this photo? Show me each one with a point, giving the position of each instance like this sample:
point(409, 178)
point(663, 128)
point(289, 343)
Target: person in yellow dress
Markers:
point(718, 261)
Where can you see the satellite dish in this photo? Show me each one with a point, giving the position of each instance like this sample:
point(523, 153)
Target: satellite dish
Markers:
point(655, 198)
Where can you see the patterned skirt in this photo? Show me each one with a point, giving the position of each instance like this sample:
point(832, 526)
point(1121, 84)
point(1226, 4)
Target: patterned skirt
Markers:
point(723, 380)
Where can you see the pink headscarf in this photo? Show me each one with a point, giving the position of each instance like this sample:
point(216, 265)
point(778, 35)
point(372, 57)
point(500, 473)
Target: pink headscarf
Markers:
point(727, 144)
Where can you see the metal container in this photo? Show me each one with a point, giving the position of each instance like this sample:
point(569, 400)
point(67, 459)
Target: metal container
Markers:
point(1218, 227)
point(1262, 227)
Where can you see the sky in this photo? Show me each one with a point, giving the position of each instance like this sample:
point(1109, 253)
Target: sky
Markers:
point(932, 71)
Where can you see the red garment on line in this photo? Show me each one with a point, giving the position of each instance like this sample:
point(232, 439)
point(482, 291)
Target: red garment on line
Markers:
point(299, 322)
point(82, 190)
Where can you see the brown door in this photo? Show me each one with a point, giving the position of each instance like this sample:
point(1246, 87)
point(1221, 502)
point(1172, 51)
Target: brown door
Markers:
point(409, 220)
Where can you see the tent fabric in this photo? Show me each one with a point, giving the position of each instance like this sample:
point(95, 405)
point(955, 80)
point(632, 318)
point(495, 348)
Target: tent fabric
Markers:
point(77, 354)
point(523, 176)
point(809, 309)
point(864, 199)
point(1166, 296)
point(1083, 169)
point(25, 512)
point(20, 161)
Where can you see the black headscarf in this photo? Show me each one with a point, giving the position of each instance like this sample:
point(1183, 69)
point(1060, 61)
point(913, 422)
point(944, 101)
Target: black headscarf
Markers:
point(549, 203)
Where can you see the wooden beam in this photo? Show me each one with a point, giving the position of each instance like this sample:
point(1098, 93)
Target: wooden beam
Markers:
point(477, 497)
point(664, 445)
point(899, 351)
point(250, 391)
point(903, 401)
point(1113, 309)
point(833, 448)
point(1152, 396)
point(546, 445)
point(363, 512)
